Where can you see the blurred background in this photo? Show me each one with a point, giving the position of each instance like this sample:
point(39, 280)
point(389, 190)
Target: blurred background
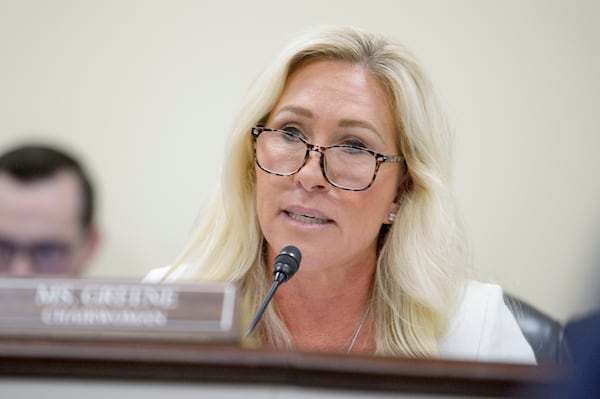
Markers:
point(145, 91)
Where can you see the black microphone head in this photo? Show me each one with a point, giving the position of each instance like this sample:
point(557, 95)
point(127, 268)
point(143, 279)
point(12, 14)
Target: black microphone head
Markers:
point(287, 263)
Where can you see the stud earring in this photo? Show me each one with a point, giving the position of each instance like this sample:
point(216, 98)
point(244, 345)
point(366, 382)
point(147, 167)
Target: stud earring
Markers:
point(391, 217)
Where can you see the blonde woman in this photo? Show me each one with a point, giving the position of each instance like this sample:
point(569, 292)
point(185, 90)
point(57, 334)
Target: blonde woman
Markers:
point(341, 150)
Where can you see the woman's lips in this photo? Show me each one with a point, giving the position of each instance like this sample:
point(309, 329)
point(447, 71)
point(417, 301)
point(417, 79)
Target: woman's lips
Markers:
point(304, 218)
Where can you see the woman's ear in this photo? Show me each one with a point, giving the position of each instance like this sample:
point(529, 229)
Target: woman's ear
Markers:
point(403, 187)
point(390, 216)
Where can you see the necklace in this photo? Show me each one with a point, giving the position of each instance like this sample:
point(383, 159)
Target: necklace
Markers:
point(358, 328)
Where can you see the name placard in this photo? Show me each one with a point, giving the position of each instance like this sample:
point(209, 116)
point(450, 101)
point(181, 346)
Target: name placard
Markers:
point(99, 308)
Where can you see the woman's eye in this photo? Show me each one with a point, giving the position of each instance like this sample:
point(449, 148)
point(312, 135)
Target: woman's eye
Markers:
point(293, 130)
point(354, 143)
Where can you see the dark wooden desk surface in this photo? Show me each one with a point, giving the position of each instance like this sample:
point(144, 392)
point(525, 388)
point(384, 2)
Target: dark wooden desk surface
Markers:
point(198, 363)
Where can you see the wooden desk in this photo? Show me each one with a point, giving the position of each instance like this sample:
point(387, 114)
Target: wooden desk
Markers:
point(58, 367)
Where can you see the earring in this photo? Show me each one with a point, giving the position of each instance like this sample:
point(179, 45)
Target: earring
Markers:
point(392, 217)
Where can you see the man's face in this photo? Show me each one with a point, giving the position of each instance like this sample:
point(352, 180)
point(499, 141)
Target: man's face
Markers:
point(40, 226)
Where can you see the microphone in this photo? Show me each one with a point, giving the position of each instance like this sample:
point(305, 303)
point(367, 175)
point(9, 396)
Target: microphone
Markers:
point(286, 264)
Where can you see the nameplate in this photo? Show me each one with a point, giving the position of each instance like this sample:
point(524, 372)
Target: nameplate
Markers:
point(99, 308)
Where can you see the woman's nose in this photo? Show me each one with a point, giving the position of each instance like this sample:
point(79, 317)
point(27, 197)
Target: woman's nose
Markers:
point(311, 176)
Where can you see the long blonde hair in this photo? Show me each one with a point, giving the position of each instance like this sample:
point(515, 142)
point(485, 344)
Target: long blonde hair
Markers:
point(421, 266)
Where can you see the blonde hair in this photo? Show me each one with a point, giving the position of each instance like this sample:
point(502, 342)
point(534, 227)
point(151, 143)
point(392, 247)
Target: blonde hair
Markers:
point(421, 262)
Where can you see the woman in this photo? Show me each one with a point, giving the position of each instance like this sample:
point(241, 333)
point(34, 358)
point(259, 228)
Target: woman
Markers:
point(342, 151)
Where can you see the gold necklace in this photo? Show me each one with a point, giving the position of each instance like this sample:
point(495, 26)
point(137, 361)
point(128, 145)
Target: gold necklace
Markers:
point(358, 328)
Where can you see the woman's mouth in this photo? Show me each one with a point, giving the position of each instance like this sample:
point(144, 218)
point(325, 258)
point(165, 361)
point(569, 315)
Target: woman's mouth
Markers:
point(306, 218)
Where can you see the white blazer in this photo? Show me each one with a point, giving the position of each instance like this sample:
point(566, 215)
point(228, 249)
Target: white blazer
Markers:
point(482, 329)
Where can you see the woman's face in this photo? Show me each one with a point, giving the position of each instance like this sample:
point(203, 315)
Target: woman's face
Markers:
point(329, 102)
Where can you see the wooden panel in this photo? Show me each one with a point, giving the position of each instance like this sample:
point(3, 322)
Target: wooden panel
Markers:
point(198, 363)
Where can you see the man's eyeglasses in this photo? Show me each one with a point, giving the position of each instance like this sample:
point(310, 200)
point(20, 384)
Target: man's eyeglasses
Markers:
point(284, 153)
point(46, 257)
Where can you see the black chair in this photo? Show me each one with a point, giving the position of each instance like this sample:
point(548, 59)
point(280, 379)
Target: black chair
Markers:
point(544, 334)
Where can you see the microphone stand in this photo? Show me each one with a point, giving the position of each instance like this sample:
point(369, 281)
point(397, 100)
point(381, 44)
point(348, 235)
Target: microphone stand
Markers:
point(286, 265)
point(262, 307)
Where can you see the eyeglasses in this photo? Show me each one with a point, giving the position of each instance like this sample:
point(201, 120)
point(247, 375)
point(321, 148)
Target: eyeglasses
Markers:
point(46, 257)
point(348, 167)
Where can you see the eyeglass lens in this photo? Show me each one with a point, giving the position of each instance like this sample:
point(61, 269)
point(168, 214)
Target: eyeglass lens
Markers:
point(344, 166)
point(45, 256)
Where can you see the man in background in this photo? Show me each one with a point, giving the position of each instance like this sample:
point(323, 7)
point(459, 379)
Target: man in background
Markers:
point(46, 213)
